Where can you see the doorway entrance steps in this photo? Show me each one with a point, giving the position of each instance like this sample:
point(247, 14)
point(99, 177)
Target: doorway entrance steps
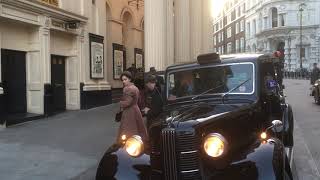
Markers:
point(14, 119)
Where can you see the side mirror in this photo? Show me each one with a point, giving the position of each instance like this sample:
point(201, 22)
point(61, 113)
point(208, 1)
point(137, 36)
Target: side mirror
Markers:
point(277, 125)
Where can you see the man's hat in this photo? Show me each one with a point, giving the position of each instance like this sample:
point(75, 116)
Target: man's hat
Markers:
point(150, 78)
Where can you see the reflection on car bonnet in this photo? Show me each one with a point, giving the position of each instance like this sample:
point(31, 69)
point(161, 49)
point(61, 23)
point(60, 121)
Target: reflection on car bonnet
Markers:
point(210, 117)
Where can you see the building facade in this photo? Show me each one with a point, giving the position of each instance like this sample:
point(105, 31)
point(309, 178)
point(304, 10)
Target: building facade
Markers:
point(229, 28)
point(182, 31)
point(288, 26)
point(66, 54)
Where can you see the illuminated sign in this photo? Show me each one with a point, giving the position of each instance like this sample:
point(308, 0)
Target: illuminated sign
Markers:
point(51, 2)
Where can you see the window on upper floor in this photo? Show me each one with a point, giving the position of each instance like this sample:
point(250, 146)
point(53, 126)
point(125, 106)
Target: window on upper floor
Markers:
point(219, 37)
point(243, 8)
point(281, 19)
point(229, 32)
point(274, 15)
point(228, 19)
point(233, 15)
point(237, 27)
point(248, 29)
point(303, 52)
point(214, 40)
point(239, 11)
point(222, 35)
point(260, 23)
point(265, 23)
point(241, 25)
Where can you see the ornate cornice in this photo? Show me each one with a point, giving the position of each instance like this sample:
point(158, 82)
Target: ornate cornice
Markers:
point(38, 7)
point(284, 31)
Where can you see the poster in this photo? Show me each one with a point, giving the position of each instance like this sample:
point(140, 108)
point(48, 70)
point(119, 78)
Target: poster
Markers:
point(96, 57)
point(118, 64)
point(139, 61)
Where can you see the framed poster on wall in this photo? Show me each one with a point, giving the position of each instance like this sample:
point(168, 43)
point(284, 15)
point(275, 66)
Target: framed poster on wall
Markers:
point(119, 64)
point(138, 58)
point(96, 56)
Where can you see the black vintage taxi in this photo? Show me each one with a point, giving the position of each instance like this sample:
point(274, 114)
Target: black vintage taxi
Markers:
point(225, 118)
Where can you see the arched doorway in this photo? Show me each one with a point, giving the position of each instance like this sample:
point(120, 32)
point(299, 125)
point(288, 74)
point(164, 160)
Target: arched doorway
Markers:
point(127, 38)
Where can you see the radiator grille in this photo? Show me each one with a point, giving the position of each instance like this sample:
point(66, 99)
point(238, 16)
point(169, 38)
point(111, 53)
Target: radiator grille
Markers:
point(188, 158)
point(169, 154)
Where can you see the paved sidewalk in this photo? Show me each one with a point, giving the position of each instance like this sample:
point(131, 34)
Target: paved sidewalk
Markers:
point(65, 146)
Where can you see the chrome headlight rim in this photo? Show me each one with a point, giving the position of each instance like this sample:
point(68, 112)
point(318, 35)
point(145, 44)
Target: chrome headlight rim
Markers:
point(138, 139)
point(222, 138)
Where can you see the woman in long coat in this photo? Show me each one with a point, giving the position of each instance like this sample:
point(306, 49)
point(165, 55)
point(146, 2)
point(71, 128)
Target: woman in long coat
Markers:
point(131, 120)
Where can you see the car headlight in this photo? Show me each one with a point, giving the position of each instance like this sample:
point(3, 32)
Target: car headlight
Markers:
point(215, 145)
point(134, 146)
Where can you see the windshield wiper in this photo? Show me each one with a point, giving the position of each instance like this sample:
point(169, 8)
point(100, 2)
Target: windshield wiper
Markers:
point(205, 92)
point(236, 87)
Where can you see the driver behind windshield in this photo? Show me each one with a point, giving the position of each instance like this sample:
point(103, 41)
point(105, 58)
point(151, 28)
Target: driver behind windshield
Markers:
point(217, 80)
point(184, 84)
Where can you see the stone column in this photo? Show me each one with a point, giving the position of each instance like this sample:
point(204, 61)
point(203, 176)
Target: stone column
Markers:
point(170, 32)
point(81, 53)
point(155, 34)
point(182, 31)
point(44, 33)
point(207, 27)
point(196, 28)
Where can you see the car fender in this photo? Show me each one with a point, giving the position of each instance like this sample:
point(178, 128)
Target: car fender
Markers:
point(263, 160)
point(118, 164)
point(288, 125)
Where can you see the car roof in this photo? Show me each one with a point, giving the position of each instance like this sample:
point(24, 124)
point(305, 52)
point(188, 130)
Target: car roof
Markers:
point(226, 59)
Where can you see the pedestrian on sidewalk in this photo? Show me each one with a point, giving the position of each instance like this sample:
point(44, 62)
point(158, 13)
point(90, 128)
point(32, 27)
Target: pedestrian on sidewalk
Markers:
point(131, 121)
point(155, 104)
point(315, 75)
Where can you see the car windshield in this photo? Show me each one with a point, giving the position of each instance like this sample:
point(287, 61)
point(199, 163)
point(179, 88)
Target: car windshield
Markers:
point(220, 79)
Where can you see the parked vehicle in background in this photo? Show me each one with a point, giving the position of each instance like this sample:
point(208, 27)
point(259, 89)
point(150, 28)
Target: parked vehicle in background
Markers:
point(315, 91)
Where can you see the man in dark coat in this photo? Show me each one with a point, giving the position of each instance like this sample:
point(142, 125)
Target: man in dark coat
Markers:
point(155, 104)
point(315, 75)
point(159, 79)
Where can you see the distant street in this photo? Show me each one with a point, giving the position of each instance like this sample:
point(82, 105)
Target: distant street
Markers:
point(307, 129)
